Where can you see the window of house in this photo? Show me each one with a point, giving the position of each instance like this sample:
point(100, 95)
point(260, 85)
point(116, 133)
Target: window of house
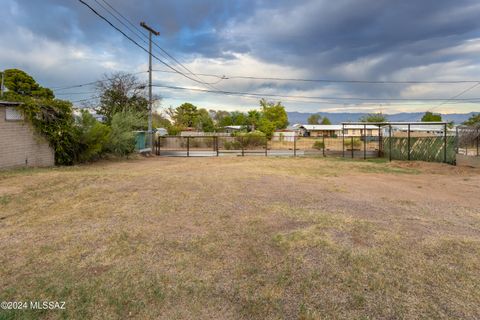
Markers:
point(12, 114)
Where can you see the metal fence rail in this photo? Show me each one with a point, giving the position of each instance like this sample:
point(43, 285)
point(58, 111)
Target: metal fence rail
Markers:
point(190, 146)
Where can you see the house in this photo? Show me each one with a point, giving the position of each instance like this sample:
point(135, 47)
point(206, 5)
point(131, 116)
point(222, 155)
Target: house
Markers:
point(357, 130)
point(320, 130)
point(232, 129)
point(20, 145)
point(335, 130)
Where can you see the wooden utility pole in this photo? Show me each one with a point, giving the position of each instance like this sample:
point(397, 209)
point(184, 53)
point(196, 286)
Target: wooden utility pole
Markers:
point(150, 99)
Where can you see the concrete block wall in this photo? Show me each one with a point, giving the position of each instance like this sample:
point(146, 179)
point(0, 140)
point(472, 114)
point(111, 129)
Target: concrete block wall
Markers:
point(21, 146)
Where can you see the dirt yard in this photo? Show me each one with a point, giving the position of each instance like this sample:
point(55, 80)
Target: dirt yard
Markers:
point(242, 238)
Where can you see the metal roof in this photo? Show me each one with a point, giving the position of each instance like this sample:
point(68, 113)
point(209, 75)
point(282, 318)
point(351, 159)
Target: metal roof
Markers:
point(394, 123)
point(321, 126)
point(336, 127)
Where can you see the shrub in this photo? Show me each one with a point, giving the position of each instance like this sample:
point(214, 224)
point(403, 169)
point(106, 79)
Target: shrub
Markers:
point(251, 139)
point(92, 137)
point(122, 138)
point(356, 143)
point(232, 145)
point(319, 145)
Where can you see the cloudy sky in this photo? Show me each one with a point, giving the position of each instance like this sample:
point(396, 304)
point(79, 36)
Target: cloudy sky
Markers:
point(63, 43)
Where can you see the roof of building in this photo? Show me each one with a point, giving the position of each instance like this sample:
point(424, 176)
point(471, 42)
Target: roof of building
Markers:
point(321, 126)
point(9, 103)
point(335, 127)
point(234, 127)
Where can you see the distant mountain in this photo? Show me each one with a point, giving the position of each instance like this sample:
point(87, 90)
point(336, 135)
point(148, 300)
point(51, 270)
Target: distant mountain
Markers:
point(337, 118)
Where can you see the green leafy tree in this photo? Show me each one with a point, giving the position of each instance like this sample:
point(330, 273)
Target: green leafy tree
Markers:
point(431, 117)
point(92, 137)
point(253, 118)
point(122, 137)
point(314, 119)
point(186, 115)
point(204, 122)
point(326, 121)
point(239, 118)
point(159, 121)
point(275, 113)
point(374, 117)
point(267, 127)
point(122, 92)
point(473, 120)
point(21, 83)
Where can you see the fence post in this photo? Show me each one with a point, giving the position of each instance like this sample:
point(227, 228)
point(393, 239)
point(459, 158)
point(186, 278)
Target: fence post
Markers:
point(216, 145)
point(188, 146)
point(445, 143)
point(478, 138)
point(352, 147)
point(295, 145)
point(364, 141)
point(390, 143)
point(380, 142)
point(158, 150)
point(266, 146)
point(408, 143)
point(243, 148)
point(323, 145)
point(343, 140)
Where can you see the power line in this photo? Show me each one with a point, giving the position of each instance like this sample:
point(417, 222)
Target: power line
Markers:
point(89, 83)
point(163, 52)
point(226, 77)
point(74, 93)
point(454, 97)
point(257, 94)
point(86, 99)
point(136, 43)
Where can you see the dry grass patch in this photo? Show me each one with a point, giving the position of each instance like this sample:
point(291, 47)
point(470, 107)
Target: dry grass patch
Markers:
point(242, 238)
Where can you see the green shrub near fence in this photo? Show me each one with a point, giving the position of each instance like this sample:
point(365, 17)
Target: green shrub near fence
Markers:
point(354, 143)
point(319, 145)
point(421, 148)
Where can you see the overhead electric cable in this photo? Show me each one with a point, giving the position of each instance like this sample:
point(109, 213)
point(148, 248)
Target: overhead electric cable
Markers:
point(136, 43)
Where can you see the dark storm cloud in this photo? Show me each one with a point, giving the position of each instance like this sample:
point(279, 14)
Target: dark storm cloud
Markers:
point(323, 34)
point(342, 39)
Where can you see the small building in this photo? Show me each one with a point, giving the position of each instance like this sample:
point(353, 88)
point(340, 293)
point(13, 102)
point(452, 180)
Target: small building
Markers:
point(335, 130)
point(320, 130)
point(357, 130)
point(232, 129)
point(20, 144)
point(284, 135)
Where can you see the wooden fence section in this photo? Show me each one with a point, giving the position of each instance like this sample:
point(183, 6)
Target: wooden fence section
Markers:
point(432, 149)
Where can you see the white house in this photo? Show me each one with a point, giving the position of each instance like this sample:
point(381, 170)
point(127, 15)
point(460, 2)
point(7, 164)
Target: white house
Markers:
point(335, 130)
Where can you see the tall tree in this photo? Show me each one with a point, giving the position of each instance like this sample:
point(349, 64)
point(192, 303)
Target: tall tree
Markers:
point(186, 115)
point(121, 92)
point(314, 119)
point(254, 117)
point(160, 121)
point(21, 83)
point(431, 117)
point(326, 121)
point(204, 122)
point(473, 120)
point(374, 117)
point(275, 113)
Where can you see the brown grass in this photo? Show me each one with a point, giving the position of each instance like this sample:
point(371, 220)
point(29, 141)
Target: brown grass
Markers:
point(242, 238)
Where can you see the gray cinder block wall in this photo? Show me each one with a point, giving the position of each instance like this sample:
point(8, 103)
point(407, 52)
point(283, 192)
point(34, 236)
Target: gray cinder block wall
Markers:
point(21, 146)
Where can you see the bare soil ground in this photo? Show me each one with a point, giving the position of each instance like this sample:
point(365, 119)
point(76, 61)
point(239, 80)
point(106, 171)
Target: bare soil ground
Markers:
point(242, 238)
